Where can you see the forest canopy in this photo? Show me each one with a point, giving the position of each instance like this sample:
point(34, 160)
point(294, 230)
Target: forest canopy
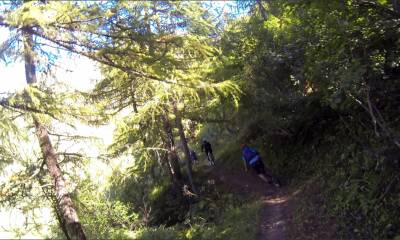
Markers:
point(310, 84)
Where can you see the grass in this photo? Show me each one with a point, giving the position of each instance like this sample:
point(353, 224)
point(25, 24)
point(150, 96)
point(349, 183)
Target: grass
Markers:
point(236, 223)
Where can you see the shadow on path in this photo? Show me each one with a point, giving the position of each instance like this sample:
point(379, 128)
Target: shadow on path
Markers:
point(273, 218)
point(276, 218)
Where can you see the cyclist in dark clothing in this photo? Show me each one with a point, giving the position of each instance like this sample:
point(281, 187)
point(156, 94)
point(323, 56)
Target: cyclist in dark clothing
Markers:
point(193, 155)
point(206, 147)
point(252, 158)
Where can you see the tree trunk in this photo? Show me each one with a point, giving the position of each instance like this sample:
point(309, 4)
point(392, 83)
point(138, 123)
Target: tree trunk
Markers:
point(173, 159)
point(182, 136)
point(262, 10)
point(395, 6)
point(134, 104)
point(64, 202)
point(60, 221)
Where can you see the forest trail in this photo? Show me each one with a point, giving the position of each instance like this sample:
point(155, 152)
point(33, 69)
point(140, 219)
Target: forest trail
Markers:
point(275, 213)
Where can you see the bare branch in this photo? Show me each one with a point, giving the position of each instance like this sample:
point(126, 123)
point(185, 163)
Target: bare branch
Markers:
point(70, 154)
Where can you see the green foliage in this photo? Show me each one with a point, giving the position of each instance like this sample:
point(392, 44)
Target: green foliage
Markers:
point(150, 196)
point(218, 215)
point(159, 233)
point(233, 222)
point(315, 76)
point(312, 84)
point(365, 196)
point(9, 137)
point(164, 213)
point(236, 223)
point(99, 215)
point(169, 208)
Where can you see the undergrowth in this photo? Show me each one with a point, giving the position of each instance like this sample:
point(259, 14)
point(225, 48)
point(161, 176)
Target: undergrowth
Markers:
point(357, 170)
point(235, 223)
point(216, 214)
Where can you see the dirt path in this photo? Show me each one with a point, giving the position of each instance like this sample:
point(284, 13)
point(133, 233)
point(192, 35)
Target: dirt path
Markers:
point(274, 215)
point(273, 221)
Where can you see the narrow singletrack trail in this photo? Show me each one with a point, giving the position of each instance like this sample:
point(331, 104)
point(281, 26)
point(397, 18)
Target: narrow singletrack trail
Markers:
point(273, 220)
point(274, 215)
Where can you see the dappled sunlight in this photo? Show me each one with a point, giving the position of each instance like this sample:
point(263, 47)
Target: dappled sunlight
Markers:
point(283, 197)
point(111, 111)
point(277, 200)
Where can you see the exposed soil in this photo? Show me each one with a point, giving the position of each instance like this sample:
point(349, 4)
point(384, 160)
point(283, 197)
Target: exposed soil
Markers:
point(277, 217)
point(312, 223)
point(273, 217)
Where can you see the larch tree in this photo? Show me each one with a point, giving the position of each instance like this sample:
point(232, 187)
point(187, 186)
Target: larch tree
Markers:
point(157, 59)
point(64, 204)
point(29, 21)
point(175, 55)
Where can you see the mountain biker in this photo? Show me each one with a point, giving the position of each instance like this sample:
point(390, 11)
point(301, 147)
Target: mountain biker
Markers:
point(206, 147)
point(252, 158)
point(193, 155)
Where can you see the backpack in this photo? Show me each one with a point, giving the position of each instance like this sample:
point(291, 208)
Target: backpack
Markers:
point(249, 153)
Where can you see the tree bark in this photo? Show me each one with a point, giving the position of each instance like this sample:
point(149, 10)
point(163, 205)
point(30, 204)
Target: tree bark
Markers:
point(262, 10)
point(64, 202)
point(182, 136)
point(60, 221)
point(134, 103)
point(395, 6)
point(173, 159)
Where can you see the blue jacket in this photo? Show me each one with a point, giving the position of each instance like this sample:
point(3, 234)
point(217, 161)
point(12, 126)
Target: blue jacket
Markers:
point(250, 155)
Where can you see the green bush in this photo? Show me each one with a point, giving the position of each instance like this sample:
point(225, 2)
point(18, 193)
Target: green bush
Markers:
point(236, 223)
point(158, 233)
